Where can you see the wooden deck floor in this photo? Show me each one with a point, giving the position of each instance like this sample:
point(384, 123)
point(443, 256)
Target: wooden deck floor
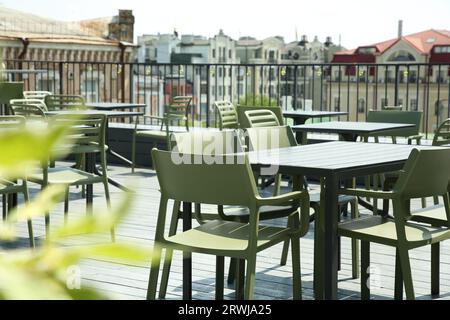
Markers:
point(273, 281)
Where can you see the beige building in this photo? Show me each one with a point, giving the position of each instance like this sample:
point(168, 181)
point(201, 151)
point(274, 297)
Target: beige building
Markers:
point(395, 72)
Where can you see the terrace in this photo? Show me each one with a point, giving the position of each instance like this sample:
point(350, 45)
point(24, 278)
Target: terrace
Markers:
point(290, 86)
point(125, 281)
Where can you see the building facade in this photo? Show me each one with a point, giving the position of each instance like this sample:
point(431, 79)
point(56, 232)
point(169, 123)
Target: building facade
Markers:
point(412, 71)
point(31, 42)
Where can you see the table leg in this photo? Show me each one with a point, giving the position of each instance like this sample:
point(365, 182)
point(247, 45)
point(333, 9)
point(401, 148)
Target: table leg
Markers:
point(326, 268)
point(187, 256)
point(90, 167)
point(302, 137)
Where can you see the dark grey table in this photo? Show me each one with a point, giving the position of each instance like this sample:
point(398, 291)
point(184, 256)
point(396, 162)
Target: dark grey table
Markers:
point(334, 162)
point(300, 116)
point(111, 106)
point(349, 131)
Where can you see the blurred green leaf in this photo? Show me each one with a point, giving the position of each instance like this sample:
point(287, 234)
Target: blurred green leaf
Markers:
point(100, 222)
point(44, 202)
point(25, 150)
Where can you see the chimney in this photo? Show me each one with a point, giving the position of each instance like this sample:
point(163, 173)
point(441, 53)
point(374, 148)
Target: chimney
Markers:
point(400, 29)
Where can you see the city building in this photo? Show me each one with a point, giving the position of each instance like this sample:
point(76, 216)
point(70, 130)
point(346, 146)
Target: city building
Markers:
point(392, 73)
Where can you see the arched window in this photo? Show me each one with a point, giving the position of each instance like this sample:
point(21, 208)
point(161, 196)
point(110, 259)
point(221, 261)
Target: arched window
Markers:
point(401, 55)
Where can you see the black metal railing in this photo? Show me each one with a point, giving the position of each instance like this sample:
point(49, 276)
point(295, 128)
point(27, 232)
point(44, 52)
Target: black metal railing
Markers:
point(353, 88)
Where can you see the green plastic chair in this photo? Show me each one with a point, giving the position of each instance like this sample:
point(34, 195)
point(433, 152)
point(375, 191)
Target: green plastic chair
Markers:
point(228, 117)
point(8, 188)
point(214, 144)
point(29, 108)
point(425, 174)
point(64, 102)
point(9, 91)
point(435, 217)
point(392, 116)
point(259, 139)
point(177, 110)
point(243, 121)
point(86, 136)
point(223, 184)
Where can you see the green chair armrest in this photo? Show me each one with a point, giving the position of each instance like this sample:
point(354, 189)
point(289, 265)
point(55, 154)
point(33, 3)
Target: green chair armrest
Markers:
point(418, 138)
point(302, 197)
point(367, 193)
point(281, 199)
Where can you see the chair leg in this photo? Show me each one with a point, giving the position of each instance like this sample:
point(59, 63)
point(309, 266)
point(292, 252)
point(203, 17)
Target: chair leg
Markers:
point(154, 273)
point(406, 272)
point(133, 153)
point(436, 200)
point(355, 243)
point(296, 270)
point(239, 283)
point(250, 278)
point(424, 202)
point(66, 206)
point(26, 197)
point(108, 201)
point(398, 294)
point(232, 271)
point(4, 206)
point(435, 269)
point(365, 266)
point(285, 252)
point(220, 270)
point(169, 252)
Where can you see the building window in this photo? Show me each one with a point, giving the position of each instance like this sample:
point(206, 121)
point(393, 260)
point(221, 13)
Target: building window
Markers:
point(220, 72)
point(361, 105)
point(214, 53)
point(220, 90)
point(230, 53)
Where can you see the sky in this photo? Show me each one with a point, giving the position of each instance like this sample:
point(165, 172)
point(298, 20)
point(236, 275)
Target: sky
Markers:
point(355, 22)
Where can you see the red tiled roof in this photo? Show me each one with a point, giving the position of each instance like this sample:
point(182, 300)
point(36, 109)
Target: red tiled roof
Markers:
point(421, 41)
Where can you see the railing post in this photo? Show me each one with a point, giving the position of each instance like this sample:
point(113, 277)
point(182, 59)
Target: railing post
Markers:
point(123, 82)
point(294, 103)
point(61, 81)
point(397, 79)
point(208, 75)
